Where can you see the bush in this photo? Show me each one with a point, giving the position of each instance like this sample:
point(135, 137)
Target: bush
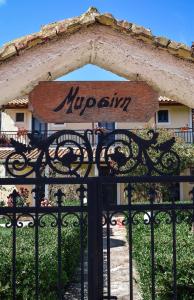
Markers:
point(25, 261)
point(164, 258)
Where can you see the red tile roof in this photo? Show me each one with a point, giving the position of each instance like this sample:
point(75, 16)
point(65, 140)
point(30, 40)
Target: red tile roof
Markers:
point(17, 103)
point(167, 100)
point(33, 155)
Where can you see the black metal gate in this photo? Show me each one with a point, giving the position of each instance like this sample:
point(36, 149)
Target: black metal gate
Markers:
point(78, 221)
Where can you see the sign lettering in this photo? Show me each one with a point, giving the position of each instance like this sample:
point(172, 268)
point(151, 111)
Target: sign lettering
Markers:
point(73, 102)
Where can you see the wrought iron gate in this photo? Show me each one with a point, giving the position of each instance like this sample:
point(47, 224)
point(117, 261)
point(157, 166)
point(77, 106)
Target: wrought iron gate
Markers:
point(149, 198)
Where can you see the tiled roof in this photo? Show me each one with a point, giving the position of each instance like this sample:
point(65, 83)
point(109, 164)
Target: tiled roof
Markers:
point(58, 29)
point(4, 153)
point(167, 100)
point(20, 102)
point(33, 155)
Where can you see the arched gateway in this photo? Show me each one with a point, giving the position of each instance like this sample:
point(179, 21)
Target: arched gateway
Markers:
point(121, 47)
point(80, 221)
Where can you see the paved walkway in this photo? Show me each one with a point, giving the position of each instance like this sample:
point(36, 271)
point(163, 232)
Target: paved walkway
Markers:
point(119, 270)
point(120, 265)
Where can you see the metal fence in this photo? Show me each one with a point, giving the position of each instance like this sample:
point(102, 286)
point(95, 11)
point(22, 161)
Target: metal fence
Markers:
point(5, 136)
point(95, 219)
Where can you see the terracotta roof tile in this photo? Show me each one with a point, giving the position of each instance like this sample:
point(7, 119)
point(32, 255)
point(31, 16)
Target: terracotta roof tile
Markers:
point(20, 102)
point(166, 100)
point(55, 30)
point(33, 155)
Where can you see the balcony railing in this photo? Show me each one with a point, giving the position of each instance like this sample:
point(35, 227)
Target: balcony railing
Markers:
point(186, 134)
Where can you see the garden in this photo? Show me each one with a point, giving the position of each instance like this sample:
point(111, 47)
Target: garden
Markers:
point(70, 244)
point(48, 246)
point(164, 222)
point(48, 258)
point(163, 239)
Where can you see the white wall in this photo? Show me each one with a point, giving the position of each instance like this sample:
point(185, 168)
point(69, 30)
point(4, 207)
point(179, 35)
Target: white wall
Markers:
point(9, 120)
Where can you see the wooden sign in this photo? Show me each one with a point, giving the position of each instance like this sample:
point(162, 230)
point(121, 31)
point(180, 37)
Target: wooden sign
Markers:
point(93, 101)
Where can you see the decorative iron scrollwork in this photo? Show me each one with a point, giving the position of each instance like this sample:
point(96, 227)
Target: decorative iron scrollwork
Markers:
point(66, 152)
point(123, 152)
point(69, 153)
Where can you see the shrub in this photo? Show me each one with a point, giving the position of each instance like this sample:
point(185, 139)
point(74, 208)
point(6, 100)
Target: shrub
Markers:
point(164, 259)
point(170, 163)
point(25, 261)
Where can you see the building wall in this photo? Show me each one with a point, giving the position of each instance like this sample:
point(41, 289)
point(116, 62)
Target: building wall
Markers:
point(9, 120)
point(66, 126)
point(179, 116)
point(6, 189)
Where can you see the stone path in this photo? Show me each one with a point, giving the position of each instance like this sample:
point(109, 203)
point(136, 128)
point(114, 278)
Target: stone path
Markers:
point(119, 270)
point(120, 265)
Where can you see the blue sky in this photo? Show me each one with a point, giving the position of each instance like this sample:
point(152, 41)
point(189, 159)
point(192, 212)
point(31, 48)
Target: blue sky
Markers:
point(170, 18)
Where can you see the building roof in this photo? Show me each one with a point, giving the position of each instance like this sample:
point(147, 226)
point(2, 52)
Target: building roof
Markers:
point(165, 100)
point(33, 155)
point(55, 30)
point(20, 102)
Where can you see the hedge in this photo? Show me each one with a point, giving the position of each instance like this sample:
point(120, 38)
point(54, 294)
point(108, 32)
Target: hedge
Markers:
point(163, 259)
point(25, 262)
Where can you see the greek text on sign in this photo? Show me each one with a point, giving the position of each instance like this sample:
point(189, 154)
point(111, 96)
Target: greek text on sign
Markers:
point(91, 101)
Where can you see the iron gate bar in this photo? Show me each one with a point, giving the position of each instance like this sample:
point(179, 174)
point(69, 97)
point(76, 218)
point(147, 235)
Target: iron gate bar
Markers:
point(14, 223)
point(174, 249)
point(119, 208)
point(108, 255)
point(59, 195)
point(95, 246)
point(101, 180)
point(156, 206)
point(36, 244)
point(94, 206)
point(130, 237)
point(152, 247)
point(32, 209)
point(81, 191)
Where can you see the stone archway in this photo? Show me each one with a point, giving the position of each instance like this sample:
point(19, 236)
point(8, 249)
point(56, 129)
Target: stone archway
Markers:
point(123, 48)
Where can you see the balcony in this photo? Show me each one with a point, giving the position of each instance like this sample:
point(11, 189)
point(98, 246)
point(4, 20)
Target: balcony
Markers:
point(5, 136)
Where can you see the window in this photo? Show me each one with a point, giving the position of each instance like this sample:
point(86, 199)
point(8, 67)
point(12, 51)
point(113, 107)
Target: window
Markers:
point(58, 124)
point(163, 116)
point(19, 117)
